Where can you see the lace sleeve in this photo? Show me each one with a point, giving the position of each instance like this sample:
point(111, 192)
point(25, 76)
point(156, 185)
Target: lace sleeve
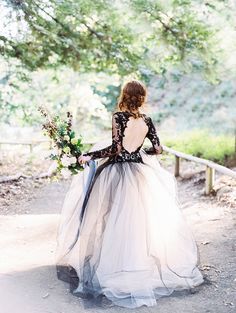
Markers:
point(152, 136)
point(115, 147)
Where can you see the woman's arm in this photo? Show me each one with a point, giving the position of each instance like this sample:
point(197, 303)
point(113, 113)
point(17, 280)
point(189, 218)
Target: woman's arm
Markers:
point(115, 147)
point(152, 136)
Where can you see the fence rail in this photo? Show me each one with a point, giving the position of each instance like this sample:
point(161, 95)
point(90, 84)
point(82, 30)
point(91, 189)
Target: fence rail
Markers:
point(29, 143)
point(211, 167)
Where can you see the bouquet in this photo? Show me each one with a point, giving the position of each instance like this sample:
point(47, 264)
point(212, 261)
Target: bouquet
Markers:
point(67, 147)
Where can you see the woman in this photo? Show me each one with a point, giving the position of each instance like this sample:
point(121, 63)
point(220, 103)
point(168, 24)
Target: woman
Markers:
point(122, 236)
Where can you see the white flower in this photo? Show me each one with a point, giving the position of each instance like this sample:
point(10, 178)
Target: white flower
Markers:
point(65, 160)
point(66, 173)
point(74, 141)
point(73, 160)
point(66, 149)
point(67, 138)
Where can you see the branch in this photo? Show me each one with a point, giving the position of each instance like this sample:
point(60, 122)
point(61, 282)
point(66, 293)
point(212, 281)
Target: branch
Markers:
point(54, 18)
point(167, 27)
point(93, 31)
point(66, 27)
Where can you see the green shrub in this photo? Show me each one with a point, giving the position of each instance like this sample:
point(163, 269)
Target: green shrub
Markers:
point(202, 144)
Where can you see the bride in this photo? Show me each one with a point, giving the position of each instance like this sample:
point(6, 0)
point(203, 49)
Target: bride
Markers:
point(122, 236)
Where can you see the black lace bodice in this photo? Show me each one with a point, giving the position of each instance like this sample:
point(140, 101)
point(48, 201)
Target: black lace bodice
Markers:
point(116, 152)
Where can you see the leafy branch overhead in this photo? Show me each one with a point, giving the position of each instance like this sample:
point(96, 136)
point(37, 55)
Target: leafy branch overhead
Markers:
point(113, 36)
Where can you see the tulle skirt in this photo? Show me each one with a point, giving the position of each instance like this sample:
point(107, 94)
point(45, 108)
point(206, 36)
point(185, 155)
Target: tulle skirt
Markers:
point(122, 235)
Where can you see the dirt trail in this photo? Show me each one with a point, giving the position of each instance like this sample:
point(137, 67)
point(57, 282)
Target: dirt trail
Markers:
point(28, 277)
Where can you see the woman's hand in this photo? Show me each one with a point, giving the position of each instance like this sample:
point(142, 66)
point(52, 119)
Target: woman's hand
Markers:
point(159, 149)
point(84, 158)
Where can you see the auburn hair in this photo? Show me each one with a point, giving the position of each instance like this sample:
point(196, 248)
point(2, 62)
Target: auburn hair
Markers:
point(132, 97)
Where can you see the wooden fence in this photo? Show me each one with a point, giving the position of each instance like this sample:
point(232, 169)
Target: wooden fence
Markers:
point(211, 167)
point(30, 144)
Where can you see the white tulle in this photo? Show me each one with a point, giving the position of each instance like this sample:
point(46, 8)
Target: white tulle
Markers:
point(132, 243)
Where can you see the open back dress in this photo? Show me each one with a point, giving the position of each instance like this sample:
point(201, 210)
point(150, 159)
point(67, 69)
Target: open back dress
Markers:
point(122, 235)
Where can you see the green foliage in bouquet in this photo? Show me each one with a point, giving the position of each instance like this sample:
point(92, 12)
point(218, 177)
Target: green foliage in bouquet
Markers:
point(67, 146)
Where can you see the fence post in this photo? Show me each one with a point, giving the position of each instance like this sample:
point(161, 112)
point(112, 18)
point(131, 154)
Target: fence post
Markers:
point(210, 177)
point(177, 165)
point(235, 140)
point(31, 147)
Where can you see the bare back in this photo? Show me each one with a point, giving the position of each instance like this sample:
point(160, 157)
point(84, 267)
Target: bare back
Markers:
point(134, 134)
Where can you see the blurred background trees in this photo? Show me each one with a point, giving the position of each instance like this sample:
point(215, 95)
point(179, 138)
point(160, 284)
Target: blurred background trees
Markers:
point(75, 55)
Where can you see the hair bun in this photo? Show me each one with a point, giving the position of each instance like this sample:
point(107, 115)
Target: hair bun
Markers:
point(132, 97)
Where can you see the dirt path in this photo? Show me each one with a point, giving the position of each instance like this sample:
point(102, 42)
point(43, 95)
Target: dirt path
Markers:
point(28, 277)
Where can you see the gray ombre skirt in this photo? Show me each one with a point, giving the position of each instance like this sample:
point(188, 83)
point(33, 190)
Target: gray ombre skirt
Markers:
point(122, 236)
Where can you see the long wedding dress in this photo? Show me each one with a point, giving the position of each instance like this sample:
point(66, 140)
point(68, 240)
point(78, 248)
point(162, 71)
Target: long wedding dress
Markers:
point(122, 236)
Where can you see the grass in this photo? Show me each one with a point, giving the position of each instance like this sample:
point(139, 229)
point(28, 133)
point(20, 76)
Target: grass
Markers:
point(200, 143)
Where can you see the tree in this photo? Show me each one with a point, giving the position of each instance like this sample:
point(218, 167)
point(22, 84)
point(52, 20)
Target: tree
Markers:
point(147, 39)
point(124, 37)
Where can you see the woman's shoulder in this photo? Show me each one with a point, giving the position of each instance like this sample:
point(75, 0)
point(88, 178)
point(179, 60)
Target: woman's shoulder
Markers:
point(121, 114)
point(117, 113)
point(146, 118)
